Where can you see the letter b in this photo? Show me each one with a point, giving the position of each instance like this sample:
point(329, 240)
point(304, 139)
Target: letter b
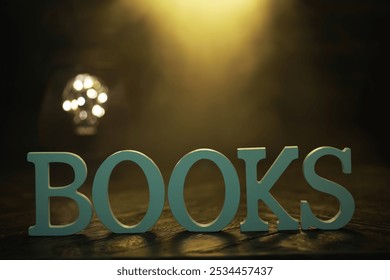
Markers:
point(44, 191)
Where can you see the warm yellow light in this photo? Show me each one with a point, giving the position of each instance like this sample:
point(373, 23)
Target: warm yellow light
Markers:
point(78, 85)
point(207, 10)
point(206, 42)
point(102, 98)
point(98, 111)
point(91, 93)
point(88, 82)
point(84, 98)
point(67, 105)
point(74, 104)
point(209, 21)
point(81, 101)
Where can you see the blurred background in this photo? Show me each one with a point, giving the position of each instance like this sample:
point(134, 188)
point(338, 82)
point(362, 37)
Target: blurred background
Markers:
point(182, 75)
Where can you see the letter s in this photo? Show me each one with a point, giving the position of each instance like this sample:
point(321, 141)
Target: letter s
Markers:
point(347, 204)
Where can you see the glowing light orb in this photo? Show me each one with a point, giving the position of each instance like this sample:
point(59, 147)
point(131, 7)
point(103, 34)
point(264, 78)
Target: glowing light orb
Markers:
point(85, 97)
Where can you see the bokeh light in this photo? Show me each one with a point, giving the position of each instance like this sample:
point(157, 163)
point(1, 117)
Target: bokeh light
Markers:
point(84, 97)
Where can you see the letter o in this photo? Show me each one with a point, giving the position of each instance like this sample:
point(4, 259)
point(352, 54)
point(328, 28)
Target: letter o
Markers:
point(176, 191)
point(156, 192)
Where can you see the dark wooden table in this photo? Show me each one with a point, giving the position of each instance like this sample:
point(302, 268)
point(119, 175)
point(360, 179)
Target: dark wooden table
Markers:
point(365, 237)
point(316, 72)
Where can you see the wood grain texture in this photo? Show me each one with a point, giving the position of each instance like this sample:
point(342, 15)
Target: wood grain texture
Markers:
point(366, 236)
point(320, 74)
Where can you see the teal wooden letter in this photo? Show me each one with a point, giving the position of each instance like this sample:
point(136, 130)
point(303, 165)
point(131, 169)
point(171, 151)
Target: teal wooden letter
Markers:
point(260, 190)
point(156, 192)
point(44, 191)
point(176, 191)
point(347, 204)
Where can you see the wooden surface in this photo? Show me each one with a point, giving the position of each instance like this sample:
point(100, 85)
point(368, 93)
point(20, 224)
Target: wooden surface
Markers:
point(365, 237)
point(319, 76)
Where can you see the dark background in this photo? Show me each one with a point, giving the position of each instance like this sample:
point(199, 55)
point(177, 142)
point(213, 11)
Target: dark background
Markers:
point(306, 73)
point(324, 82)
